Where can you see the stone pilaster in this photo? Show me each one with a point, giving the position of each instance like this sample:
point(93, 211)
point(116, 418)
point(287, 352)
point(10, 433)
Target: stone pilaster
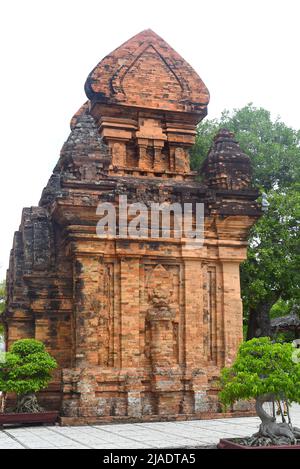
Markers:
point(193, 313)
point(87, 309)
point(232, 302)
point(130, 346)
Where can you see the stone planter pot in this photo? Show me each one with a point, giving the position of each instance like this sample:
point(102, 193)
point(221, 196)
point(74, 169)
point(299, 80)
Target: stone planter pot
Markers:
point(25, 418)
point(232, 444)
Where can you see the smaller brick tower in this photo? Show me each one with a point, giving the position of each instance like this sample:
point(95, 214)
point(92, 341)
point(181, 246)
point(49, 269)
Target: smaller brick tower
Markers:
point(140, 327)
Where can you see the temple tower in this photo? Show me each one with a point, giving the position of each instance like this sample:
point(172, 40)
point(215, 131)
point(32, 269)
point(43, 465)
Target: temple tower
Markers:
point(140, 327)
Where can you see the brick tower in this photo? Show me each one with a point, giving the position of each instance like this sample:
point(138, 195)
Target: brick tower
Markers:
point(140, 327)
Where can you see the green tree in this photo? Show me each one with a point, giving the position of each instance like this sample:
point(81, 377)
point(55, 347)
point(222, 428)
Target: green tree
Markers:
point(2, 307)
point(2, 296)
point(270, 272)
point(25, 371)
point(266, 372)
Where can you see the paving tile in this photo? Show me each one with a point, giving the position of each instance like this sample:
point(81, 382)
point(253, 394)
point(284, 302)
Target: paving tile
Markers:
point(136, 446)
point(130, 436)
point(105, 446)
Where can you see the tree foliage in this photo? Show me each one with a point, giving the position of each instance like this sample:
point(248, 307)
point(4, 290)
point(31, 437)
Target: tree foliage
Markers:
point(261, 368)
point(270, 273)
point(27, 367)
point(2, 296)
point(2, 305)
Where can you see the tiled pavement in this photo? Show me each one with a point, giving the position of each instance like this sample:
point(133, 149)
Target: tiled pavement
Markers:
point(185, 434)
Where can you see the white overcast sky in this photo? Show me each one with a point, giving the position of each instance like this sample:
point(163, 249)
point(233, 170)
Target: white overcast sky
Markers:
point(244, 50)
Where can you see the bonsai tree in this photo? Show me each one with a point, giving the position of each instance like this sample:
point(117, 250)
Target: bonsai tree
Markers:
point(26, 370)
point(267, 372)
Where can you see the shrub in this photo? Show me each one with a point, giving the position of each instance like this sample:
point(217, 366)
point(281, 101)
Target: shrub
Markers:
point(26, 370)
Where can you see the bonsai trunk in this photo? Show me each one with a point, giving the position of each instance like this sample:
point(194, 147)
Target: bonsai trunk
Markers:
point(279, 433)
point(27, 403)
point(2, 402)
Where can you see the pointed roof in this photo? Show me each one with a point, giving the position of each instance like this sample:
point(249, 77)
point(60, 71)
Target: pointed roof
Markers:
point(146, 72)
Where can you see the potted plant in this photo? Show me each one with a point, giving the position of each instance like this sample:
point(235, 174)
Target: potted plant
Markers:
point(25, 370)
point(267, 372)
